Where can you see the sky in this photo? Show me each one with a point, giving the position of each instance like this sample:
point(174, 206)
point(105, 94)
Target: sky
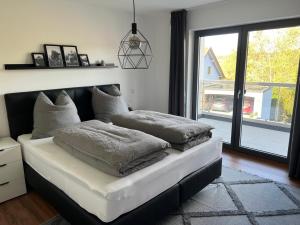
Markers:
point(221, 44)
point(224, 44)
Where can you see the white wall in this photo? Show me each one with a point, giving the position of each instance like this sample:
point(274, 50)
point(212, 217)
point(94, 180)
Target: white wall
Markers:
point(96, 30)
point(156, 89)
point(235, 12)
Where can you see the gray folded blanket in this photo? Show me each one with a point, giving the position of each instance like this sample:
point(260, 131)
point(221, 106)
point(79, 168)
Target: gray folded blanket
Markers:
point(181, 132)
point(114, 150)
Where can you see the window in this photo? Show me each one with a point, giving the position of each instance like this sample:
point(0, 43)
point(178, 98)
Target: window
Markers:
point(209, 70)
point(249, 95)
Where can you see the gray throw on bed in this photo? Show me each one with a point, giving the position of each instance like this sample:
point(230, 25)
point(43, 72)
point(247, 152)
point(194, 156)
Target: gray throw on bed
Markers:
point(114, 150)
point(181, 132)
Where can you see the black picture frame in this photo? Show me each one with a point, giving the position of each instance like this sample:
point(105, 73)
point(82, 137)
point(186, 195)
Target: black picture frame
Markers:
point(84, 60)
point(54, 55)
point(38, 59)
point(70, 55)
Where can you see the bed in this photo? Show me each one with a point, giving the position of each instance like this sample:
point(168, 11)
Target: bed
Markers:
point(84, 195)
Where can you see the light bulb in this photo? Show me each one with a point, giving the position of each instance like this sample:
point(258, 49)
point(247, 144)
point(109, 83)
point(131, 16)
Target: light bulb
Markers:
point(134, 42)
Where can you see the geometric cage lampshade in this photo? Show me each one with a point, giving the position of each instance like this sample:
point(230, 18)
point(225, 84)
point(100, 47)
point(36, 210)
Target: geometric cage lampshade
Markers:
point(135, 51)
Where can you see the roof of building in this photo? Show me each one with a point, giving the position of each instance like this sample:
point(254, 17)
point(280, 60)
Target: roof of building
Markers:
point(226, 85)
point(215, 61)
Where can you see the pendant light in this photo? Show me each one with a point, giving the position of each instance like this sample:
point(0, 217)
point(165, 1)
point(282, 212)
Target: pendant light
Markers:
point(134, 51)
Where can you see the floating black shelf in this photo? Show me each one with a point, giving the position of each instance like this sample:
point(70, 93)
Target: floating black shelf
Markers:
point(33, 67)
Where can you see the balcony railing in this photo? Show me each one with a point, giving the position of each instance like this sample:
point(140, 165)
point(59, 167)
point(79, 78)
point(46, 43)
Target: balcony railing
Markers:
point(265, 103)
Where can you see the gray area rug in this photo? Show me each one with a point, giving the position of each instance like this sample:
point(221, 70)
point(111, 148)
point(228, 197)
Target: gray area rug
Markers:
point(236, 198)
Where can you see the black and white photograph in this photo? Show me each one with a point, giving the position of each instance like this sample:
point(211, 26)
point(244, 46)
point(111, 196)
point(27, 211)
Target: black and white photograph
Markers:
point(70, 56)
point(38, 59)
point(54, 55)
point(84, 60)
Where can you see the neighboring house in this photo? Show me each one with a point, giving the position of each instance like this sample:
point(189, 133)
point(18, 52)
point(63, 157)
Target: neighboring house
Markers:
point(212, 70)
point(218, 92)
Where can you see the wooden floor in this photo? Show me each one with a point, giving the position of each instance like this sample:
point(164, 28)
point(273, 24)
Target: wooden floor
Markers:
point(31, 209)
point(262, 167)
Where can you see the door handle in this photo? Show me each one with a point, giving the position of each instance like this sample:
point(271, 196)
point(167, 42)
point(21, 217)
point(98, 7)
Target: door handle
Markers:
point(240, 93)
point(3, 165)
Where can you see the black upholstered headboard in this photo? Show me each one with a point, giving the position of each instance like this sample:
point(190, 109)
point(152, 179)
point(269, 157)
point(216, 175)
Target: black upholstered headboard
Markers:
point(20, 106)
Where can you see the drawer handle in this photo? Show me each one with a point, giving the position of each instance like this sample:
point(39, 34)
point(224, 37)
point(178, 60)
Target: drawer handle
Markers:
point(3, 165)
point(4, 183)
point(2, 150)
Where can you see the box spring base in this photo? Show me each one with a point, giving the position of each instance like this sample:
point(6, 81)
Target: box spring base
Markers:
point(147, 213)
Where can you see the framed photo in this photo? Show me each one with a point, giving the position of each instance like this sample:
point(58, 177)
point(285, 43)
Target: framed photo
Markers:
point(84, 60)
point(38, 59)
point(70, 56)
point(54, 55)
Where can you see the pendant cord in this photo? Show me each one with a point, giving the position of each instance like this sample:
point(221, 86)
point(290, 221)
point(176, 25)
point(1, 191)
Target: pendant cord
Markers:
point(133, 11)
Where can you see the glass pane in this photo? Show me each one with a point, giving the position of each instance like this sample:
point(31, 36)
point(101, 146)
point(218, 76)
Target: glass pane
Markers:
point(217, 68)
point(271, 76)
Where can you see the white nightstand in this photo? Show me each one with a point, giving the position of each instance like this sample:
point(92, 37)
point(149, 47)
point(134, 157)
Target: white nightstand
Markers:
point(12, 182)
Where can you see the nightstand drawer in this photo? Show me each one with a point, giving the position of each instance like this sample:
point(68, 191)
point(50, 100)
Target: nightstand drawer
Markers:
point(10, 155)
point(12, 189)
point(11, 171)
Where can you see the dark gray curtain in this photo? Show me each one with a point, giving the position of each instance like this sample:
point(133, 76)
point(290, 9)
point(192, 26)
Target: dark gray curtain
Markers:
point(294, 166)
point(177, 63)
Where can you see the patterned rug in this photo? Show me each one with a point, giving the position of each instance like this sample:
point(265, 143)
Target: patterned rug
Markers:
point(236, 198)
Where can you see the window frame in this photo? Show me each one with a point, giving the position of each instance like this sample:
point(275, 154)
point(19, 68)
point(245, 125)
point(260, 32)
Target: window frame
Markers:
point(243, 32)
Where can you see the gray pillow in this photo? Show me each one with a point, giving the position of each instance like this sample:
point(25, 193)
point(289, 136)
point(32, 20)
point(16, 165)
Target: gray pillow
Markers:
point(112, 90)
point(106, 105)
point(48, 116)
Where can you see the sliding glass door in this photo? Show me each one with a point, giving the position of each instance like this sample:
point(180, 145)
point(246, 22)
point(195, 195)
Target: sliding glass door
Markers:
point(244, 84)
point(270, 82)
point(216, 82)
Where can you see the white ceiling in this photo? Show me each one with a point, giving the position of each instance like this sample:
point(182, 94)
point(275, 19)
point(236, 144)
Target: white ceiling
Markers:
point(143, 6)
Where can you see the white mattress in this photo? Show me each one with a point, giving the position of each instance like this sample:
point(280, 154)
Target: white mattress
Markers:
point(107, 196)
